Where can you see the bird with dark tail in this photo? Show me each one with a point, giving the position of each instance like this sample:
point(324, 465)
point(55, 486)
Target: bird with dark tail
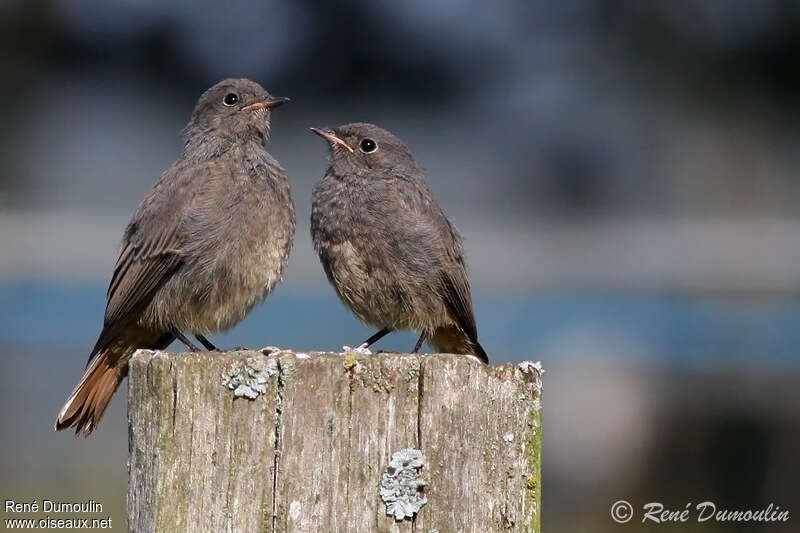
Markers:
point(208, 243)
point(388, 249)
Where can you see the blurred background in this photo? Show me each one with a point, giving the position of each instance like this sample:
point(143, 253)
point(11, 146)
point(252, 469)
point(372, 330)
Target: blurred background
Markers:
point(626, 175)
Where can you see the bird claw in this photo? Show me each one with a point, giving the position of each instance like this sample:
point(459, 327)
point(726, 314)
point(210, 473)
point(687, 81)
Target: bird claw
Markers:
point(363, 350)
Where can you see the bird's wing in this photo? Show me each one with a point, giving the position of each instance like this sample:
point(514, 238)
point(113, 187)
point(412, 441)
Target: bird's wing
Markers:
point(151, 248)
point(458, 301)
point(141, 270)
point(447, 246)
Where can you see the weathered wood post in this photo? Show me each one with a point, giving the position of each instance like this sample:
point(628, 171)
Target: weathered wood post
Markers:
point(284, 442)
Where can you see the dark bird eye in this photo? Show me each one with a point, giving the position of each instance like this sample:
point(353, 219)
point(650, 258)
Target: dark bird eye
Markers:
point(368, 145)
point(230, 99)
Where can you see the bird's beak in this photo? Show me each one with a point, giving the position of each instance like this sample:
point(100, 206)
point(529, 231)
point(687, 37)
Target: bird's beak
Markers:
point(270, 103)
point(331, 138)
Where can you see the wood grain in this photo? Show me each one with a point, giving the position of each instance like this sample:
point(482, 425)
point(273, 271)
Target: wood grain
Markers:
point(307, 454)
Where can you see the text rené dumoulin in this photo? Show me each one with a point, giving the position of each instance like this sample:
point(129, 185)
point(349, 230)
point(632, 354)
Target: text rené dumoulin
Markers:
point(51, 506)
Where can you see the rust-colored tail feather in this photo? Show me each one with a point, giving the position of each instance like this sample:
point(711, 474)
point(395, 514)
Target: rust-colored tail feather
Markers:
point(85, 406)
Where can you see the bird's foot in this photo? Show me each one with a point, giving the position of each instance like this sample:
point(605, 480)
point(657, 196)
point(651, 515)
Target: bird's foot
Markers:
point(363, 350)
point(266, 350)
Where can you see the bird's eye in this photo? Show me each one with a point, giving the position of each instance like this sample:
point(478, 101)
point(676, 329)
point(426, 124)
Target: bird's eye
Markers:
point(368, 145)
point(230, 99)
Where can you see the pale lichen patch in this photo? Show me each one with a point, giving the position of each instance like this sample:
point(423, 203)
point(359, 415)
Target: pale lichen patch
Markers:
point(401, 486)
point(533, 371)
point(249, 377)
point(294, 510)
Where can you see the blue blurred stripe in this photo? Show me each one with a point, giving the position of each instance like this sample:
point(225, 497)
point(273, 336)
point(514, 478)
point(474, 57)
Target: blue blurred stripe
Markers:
point(651, 329)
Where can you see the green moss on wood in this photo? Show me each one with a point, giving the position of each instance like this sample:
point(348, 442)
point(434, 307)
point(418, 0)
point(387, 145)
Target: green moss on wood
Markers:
point(350, 360)
point(533, 453)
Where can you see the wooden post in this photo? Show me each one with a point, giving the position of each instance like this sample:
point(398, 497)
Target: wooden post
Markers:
point(286, 442)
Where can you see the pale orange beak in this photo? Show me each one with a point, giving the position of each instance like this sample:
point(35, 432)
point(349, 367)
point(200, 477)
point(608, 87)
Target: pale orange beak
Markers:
point(270, 103)
point(332, 138)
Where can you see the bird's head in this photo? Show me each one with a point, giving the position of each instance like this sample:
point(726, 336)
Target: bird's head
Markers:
point(234, 108)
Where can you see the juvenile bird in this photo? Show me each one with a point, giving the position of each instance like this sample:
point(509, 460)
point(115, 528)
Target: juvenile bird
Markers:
point(207, 243)
point(387, 247)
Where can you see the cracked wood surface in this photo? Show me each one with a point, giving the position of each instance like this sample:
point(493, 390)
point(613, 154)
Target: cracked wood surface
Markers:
point(307, 455)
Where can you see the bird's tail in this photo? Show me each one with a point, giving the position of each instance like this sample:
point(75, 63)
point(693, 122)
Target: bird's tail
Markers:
point(451, 339)
point(85, 406)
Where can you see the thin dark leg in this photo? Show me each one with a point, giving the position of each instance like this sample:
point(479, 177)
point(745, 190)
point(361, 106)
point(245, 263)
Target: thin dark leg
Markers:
point(375, 338)
point(181, 337)
point(164, 341)
point(419, 343)
point(206, 343)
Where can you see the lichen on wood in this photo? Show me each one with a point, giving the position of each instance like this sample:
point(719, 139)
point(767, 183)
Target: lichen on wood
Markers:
point(401, 485)
point(250, 377)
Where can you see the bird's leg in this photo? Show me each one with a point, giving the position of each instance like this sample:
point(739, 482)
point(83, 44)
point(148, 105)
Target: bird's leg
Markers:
point(363, 348)
point(419, 343)
point(186, 342)
point(206, 343)
point(375, 338)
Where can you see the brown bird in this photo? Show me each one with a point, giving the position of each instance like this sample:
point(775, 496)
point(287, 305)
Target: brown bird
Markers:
point(388, 249)
point(207, 243)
